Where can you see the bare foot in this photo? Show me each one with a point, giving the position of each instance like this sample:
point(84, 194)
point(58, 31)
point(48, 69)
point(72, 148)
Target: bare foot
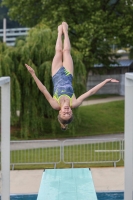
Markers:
point(60, 29)
point(65, 27)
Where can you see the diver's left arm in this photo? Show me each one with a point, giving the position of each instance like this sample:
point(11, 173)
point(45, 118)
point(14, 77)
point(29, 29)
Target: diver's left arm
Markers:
point(92, 91)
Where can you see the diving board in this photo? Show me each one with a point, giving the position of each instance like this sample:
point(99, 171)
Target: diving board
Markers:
point(67, 184)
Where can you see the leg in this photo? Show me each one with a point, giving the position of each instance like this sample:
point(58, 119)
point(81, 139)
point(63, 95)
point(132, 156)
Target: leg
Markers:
point(67, 59)
point(57, 60)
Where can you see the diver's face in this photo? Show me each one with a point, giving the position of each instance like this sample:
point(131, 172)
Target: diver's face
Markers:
point(65, 112)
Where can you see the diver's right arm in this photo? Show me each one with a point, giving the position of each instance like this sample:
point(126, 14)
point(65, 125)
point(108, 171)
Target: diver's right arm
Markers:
point(43, 89)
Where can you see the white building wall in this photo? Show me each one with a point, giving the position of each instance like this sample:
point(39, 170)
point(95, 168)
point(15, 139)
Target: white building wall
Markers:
point(109, 88)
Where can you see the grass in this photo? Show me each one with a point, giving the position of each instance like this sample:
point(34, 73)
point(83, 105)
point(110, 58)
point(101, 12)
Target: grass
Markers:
point(106, 118)
point(72, 154)
point(101, 96)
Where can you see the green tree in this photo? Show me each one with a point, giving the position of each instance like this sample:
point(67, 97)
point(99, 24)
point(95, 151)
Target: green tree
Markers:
point(37, 118)
point(93, 24)
point(3, 14)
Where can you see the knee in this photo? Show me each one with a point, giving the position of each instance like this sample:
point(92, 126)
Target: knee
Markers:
point(66, 51)
point(58, 52)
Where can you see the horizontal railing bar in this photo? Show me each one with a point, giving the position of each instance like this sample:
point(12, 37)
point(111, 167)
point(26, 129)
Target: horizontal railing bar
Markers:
point(108, 150)
point(14, 34)
point(15, 29)
point(34, 163)
point(93, 162)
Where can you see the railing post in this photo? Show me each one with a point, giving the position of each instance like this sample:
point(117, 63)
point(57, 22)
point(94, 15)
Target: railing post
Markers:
point(62, 151)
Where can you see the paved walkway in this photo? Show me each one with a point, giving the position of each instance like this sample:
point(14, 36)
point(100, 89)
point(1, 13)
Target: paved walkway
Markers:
point(104, 100)
point(105, 179)
point(30, 144)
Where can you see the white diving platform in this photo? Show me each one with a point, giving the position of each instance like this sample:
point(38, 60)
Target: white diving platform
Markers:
point(67, 184)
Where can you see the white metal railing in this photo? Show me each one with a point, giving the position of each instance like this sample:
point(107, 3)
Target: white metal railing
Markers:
point(92, 151)
point(13, 33)
point(123, 149)
point(35, 152)
point(75, 151)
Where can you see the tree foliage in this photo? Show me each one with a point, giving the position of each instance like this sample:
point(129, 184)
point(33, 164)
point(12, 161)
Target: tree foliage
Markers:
point(3, 14)
point(94, 25)
point(36, 115)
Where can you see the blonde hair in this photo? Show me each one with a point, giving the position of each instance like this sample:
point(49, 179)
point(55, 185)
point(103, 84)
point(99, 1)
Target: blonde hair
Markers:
point(64, 123)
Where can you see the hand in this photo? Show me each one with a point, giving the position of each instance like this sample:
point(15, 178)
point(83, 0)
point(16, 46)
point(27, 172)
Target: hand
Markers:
point(112, 80)
point(30, 69)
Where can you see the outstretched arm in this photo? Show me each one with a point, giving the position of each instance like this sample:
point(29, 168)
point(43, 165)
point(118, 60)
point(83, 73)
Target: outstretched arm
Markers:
point(42, 88)
point(93, 91)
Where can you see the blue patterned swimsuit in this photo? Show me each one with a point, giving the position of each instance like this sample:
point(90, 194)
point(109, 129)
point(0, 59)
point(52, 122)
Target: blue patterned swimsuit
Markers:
point(62, 82)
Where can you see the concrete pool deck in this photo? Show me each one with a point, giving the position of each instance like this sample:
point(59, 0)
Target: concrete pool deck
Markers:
point(105, 179)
